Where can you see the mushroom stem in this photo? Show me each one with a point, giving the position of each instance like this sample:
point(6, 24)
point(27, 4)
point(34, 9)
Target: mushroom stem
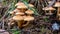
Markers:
point(50, 12)
point(20, 24)
point(26, 24)
point(58, 11)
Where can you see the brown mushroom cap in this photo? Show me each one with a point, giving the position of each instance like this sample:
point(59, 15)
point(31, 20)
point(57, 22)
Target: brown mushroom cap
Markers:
point(22, 6)
point(16, 10)
point(58, 14)
point(57, 4)
point(29, 12)
point(18, 18)
point(48, 8)
point(19, 13)
point(30, 5)
point(28, 18)
point(19, 3)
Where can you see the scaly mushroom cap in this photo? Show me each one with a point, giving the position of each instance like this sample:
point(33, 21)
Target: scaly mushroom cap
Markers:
point(30, 5)
point(57, 4)
point(19, 13)
point(29, 12)
point(18, 18)
point(48, 8)
point(28, 18)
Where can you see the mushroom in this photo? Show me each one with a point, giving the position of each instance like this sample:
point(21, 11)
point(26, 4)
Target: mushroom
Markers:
point(28, 19)
point(57, 4)
point(49, 9)
point(19, 20)
point(19, 13)
point(12, 13)
point(29, 12)
point(30, 5)
point(19, 3)
point(22, 7)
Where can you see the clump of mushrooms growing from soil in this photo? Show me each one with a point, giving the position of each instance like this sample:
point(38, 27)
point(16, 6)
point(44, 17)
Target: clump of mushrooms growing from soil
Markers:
point(49, 9)
point(22, 15)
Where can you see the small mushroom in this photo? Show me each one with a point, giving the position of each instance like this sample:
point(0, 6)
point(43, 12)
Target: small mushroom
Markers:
point(22, 7)
point(30, 5)
point(57, 4)
point(19, 20)
point(49, 9)
point(12, 13)
point(28, 19)
point(19, 3)
point(29, 12)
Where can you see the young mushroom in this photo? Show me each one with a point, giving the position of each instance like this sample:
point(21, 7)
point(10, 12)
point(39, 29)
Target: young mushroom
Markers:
point(30, 5)
point(19, 20)
point(29, 12)
point(14, 11)
point(57, 4)
point(49, 9)
point(19, 3)
point(28, 19)
point(22, 7)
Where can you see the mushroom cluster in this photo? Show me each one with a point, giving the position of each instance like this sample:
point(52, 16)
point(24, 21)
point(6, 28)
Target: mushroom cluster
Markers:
point(22, 15)
point(49, 9)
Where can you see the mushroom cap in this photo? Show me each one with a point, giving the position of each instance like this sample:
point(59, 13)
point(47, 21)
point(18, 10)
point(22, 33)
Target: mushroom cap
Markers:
point(57, 4)
point(19, 3)
point(29, 12)
point(19, 13)
point(16, 10)
point(30, 5)
point(22, 6)
point(58, 14)
point(12, 12)
point(18, 18)
point(49, 8)
point(45, 8)
point(28, 18)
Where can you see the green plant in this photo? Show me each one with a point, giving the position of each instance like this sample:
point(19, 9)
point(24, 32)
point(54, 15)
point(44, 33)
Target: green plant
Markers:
point(15, 31)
